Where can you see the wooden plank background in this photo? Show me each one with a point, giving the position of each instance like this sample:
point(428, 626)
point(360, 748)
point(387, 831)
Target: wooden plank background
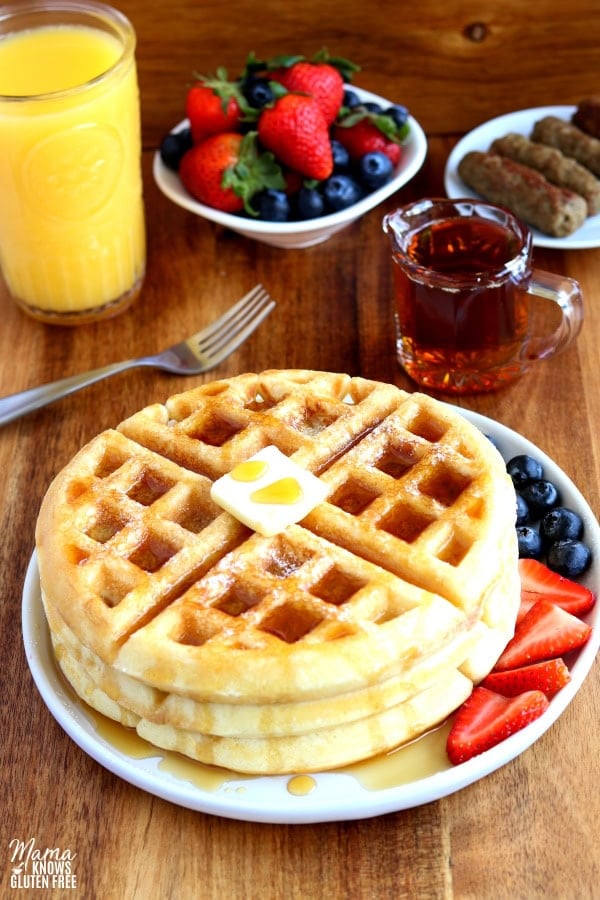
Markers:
point(455, 64)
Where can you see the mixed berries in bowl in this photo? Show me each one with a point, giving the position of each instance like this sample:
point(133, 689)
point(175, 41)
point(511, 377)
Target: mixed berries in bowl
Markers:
point(288, 153)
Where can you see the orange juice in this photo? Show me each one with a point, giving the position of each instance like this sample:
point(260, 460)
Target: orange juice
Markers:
point(72, 241)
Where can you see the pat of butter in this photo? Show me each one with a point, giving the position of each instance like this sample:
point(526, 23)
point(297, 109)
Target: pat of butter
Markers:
point(268, 492)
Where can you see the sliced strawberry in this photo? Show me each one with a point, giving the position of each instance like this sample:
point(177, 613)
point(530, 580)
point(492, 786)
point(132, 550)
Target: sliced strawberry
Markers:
point(544, 632)
point(548, 677)
point(527, 601)
point(538, 581)
point(487, 718)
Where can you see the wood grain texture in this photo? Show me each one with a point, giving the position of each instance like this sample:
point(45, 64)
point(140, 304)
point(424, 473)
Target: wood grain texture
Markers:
point(454, 64)
point(529, 830)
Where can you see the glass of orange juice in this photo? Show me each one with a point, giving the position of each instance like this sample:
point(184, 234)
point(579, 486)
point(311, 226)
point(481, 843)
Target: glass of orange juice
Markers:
point(72, 236)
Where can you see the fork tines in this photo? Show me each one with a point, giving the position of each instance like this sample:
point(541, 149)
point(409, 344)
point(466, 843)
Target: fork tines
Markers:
point(237, 324)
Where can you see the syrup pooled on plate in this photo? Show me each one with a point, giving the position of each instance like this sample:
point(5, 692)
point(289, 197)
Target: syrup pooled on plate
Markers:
point(418, 759)
point(128, 742)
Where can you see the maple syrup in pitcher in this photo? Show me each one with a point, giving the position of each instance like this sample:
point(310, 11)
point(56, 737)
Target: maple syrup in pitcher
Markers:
point(463, 285)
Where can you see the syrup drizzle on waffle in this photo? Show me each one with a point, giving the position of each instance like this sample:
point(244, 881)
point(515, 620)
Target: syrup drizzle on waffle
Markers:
point(347, 634)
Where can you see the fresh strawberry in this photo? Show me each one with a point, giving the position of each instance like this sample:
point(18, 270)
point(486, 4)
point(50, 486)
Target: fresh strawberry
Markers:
point(548, 677)
point(538, 581)
point(226, 170)
point(487, 718)
point(527, 601)
point(545, 632)
point(203, 169)
point(363, 132)
point(322, 77)
point(320, 80)
point(213, 105)
point(294, 129)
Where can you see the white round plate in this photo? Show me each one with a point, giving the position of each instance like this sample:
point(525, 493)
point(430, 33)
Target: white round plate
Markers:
point(521, 122)
point(335, 795)
point(311, 231)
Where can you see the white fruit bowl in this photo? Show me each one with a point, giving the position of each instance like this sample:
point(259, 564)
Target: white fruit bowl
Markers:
point(310, 231)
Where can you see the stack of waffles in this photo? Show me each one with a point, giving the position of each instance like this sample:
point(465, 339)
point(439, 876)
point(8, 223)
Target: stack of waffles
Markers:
point(344, 635)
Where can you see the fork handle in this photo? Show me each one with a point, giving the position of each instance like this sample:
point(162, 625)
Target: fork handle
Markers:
point(16, 405)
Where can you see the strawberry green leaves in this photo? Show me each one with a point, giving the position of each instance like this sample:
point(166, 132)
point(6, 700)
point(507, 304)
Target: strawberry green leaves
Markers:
point(226, 170)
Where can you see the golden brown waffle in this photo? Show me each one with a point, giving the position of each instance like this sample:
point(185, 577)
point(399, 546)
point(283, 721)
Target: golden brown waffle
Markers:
point(275, 737)
point(247, 720)
point(323, 644)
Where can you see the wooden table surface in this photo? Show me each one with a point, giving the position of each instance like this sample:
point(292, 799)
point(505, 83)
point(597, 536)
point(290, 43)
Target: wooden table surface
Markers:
point(530, 829)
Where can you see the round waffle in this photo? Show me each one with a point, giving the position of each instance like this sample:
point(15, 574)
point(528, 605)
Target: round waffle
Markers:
point(342, 636)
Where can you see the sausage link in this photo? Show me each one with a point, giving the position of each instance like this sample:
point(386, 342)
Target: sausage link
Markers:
point(553, 210)
point(570, 140)
point(555, 166)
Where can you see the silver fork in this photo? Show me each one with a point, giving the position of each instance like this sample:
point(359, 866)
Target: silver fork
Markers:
point(199, 353)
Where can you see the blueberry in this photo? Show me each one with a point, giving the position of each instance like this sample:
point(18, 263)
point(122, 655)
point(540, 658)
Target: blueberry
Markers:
point(375, 169)
point(398, 113)
point(257, 92)
point(373, 107)
point(561, 524)
point(341, 191)
point(341, 157)
point(350, 99)
point(529, 541)
point(569, 558)
point(173, 146)
point(540, 496)
point(522, 511)
point(523, 469)
point(272, 205)
point(310, 203)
